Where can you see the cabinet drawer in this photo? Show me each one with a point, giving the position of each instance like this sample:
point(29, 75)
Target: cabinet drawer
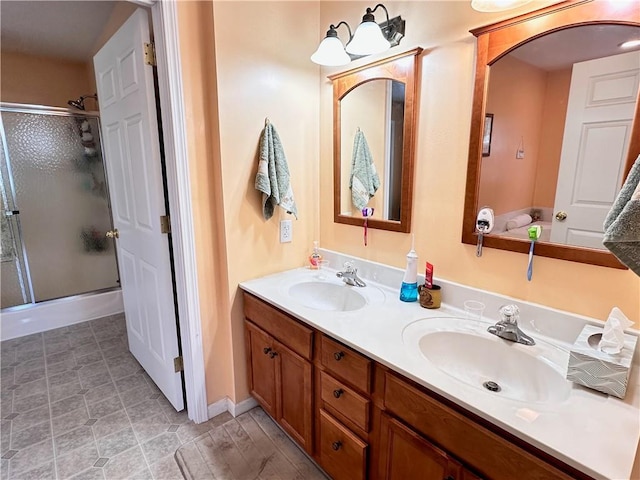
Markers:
point(288, 331)
point(342, 455)
point(492, 455)
point(346, 363)
point(345, 401)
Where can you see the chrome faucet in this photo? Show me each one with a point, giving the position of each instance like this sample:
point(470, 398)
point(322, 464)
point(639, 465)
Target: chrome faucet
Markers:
point(507, 327)
point(350, 276)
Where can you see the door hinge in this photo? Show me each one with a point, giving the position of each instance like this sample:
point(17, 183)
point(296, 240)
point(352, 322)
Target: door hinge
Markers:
point(149, 54)
point(178, 364)
point(165, 224)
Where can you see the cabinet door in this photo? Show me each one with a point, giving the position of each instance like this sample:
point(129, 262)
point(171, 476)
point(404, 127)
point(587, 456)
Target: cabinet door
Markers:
point(261, 358)
point(293, 383)
point(405, 455)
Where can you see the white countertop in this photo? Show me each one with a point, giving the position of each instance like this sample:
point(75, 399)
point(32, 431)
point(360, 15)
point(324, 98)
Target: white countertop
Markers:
point(593, 432)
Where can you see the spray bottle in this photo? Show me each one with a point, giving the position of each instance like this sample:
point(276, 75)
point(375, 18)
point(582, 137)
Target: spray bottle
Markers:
point(409, 287)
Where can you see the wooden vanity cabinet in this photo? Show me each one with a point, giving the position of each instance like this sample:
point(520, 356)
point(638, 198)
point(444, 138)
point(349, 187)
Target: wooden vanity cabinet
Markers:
point(360, 420)
point(280, 379)
point(404, 454)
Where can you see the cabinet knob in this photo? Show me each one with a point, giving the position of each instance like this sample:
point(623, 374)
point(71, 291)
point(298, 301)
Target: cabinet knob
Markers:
point(266, 350)
point(338, 392)
point(338, 356)
point(336, 445)
point(273, 354)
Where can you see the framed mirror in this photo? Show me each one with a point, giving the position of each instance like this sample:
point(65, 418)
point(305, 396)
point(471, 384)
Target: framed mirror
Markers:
point(374, 118)
point(562, 97)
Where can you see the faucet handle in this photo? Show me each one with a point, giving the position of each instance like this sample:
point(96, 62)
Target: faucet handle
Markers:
point(349, 267)
point(510, 314)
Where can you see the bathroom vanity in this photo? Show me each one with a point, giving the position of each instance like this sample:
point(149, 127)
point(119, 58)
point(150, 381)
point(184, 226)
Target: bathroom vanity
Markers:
point(354, 385)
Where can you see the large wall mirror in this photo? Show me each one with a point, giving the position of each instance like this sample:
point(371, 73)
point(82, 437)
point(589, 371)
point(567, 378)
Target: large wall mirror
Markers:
point(375, 105)
point(561, 96)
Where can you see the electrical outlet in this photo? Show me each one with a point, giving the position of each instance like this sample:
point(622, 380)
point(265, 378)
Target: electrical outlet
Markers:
point(286, 231)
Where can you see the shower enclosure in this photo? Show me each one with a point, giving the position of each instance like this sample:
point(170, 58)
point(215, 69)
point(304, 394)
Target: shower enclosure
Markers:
point(55, 206)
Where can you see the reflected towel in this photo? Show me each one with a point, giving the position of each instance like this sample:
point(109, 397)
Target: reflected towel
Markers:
point(364, 179)
point(272, 178)
point(622, 225)
point(518, 221)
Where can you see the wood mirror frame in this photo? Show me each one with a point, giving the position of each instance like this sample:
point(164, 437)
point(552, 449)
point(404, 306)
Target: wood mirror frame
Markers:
point(402, 68)
point(496, 40)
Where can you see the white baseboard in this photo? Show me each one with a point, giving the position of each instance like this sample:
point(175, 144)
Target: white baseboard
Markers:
point(29, 319)
point(227, 405)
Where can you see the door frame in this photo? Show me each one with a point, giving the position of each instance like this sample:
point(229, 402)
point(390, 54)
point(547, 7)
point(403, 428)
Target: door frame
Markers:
point(164, 15)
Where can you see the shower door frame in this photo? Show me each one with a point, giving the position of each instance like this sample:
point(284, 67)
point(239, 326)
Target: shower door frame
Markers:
point(60, 112)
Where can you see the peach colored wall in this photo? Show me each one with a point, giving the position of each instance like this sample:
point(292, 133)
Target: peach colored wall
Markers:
point(247, 77)
point(552, 131)
point(200, 97)
point(42, 80)
point(516, 99)
point(441, 164)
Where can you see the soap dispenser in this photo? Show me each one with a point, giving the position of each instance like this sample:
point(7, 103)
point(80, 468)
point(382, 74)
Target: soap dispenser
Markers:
point(409, 287)
point(315, 257)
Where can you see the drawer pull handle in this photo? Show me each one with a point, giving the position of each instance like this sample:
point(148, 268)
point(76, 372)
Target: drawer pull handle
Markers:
point(338, 356)
point(338, 392)
point(449, 477)
point(336, 445)
point(273, 354)
point(266, 350)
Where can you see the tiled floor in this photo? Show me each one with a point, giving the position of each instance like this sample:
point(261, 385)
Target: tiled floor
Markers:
point(250, 446)
point(76, 404)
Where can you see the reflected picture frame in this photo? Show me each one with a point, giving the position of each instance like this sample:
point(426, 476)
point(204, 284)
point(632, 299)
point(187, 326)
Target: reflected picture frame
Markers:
point(486, 134)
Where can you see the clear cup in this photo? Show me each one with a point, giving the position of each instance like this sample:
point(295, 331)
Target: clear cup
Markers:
point(322, 264)
point(473, 310)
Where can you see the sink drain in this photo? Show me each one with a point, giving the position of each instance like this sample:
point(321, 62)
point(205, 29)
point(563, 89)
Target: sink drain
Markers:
point(492, 386)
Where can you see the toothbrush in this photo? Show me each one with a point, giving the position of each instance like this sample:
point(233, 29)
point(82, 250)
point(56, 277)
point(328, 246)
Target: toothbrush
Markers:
point(534, 235)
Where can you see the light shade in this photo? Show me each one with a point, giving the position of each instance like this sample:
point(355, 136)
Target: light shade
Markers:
point(330, 52)
point(496, 5)
point(368, 40)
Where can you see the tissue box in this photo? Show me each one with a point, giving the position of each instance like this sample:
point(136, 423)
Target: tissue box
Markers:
point(601, 371)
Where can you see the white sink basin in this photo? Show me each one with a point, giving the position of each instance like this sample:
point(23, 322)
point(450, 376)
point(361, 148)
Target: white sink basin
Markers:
point(521, 372)
point(327, 296)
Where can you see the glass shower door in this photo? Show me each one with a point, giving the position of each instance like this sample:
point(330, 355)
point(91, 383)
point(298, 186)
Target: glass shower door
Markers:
point(13, 272)
point(59, 184)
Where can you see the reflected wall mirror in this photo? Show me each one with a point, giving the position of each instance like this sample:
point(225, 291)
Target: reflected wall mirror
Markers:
point(563, 98)
point(378, 103)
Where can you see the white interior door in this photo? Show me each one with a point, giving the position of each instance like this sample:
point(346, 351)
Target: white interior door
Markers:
point(132, 156)
point(600, 113)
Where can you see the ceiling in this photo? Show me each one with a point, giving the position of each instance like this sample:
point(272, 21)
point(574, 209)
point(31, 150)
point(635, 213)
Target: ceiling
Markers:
point(64, 29)
point(563, 48)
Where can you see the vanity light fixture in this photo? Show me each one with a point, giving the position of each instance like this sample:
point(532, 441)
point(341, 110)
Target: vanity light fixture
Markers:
point(331, 52)
point(496, 5)
point(368, 39)
point(631, 44)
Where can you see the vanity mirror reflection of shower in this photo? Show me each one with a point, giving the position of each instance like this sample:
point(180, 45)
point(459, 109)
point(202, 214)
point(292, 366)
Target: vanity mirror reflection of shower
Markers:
point(53, 175)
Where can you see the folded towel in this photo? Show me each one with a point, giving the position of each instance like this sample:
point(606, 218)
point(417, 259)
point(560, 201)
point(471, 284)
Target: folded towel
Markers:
point(273, 174)
point(622, 225)
point(518, 221)
point(364, 179)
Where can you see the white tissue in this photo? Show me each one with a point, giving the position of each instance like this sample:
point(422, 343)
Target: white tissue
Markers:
point(519, 221)
point(613, 336)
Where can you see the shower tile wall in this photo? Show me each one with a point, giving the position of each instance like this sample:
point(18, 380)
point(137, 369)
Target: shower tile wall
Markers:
point(74, 401)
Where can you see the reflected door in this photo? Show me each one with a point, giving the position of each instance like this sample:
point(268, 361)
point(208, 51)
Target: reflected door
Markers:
point(600, 112)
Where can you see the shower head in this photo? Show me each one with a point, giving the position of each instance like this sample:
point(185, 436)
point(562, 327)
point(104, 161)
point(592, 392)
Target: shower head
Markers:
point(79, 103)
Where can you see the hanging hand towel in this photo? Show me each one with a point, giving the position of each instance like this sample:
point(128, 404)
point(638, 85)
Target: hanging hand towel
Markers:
point(273, 175)
point(364, 179)
point(622, 225)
